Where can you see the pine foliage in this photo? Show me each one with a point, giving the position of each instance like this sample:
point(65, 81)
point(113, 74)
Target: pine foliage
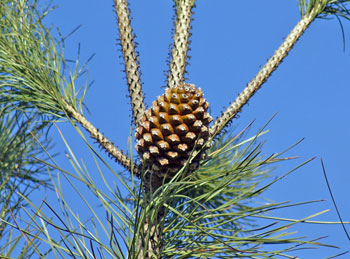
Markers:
point(207, 211)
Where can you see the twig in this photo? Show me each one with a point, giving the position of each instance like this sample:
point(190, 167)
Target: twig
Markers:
point(180, 45)
point(131, 60)
point(262, 75)
point(112, 150)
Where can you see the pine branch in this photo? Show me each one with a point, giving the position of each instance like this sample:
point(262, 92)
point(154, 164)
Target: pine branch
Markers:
point(112, 150)
point(131, 60)
point(32, 75)
point(309, 10)
point(149, 242)
point(255, 84)
point(181, 42)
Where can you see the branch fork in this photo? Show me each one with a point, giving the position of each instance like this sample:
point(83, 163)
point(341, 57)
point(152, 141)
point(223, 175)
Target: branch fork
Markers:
point(179, 61)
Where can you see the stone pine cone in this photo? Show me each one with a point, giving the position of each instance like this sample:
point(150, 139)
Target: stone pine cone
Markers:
point(176, 123)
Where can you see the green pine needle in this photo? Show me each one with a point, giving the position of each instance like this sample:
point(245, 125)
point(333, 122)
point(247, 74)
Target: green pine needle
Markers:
point(210, 213)
point(20, 172)
point(32, 64)
point(325, 8)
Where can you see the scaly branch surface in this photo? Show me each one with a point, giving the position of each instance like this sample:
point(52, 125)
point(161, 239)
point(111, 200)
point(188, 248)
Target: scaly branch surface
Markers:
point(262, 75)
point(181, 42)
point(131, 61)
point(120, 157)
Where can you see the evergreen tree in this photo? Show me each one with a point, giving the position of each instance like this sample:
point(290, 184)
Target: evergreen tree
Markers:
point(194, 190)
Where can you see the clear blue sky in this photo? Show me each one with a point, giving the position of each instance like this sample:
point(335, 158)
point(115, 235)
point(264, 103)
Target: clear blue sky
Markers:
point(231, 40)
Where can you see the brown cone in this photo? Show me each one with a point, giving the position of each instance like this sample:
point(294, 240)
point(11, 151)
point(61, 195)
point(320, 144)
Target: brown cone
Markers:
point(176, 123)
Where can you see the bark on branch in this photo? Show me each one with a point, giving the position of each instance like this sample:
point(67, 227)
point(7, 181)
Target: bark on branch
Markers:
point(181, 42)
point(131, 60)
point(262, 75)
point(112, 150)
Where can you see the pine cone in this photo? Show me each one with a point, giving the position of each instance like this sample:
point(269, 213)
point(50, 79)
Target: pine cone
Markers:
point(176, 124)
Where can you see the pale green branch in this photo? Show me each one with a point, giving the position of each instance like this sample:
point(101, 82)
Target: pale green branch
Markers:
point(181, 42)
point(131, 60)
point(112, 150)
point(262, 76)
point(310, 10)
point(266, 71)
point(32, 72)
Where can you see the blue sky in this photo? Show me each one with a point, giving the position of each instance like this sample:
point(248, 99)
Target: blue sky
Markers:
point(231, 41)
